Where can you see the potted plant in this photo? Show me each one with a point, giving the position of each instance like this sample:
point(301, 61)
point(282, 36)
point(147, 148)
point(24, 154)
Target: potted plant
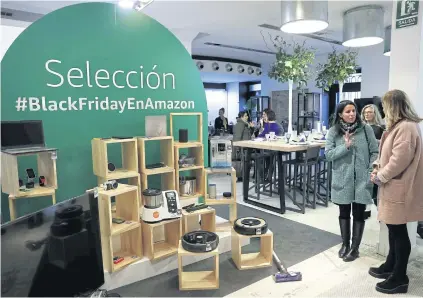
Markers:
point(292, 65)
point(337, 69)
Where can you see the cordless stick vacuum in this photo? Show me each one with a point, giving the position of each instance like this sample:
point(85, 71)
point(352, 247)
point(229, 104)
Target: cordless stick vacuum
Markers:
point(283, 275)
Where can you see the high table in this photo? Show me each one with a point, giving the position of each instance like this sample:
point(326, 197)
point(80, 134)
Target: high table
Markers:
point(280, 147)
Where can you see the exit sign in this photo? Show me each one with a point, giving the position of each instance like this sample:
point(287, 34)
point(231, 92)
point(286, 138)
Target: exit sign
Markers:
point(407, 13)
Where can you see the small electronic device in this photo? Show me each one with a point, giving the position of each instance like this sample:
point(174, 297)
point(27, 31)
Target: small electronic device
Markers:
point(30, 175)
point(221, 153)
point(169, 209)
point(111, 184)
point(117, 260)
point(122, 138)
point(194, 207)
point(21, 183)
point(111, 167)
point(118, 220)
point(29, 185)
point(155, 165)
point(42, 181)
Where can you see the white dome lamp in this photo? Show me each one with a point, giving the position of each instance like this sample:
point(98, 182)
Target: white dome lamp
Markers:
point(302, 17)
point(387, 42)
point(363, 26)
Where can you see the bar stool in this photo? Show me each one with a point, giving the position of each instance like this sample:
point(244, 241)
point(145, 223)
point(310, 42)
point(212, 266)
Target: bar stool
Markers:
point(324, 179)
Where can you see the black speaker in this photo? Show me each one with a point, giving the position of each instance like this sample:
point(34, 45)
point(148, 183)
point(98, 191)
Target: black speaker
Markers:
point(111, 167)
point(183, 136)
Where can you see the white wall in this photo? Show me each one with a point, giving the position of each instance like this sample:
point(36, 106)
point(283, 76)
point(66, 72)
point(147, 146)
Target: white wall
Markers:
point(216, 99)
point(233, 101)
point(8, 34)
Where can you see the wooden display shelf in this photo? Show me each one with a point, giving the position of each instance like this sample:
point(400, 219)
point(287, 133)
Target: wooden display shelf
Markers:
point(130, 249)
point(199, 175)
point(129, 158)
point(37, 191)
point(132, 180)
point(46, 166)
point(188, 145)
point(190, 220)
point(166, 154)
point(198, 280)
point(260, 259)
point(127, 208)
point(167, 182)
point(169, 246)
point(199, 125)
point(196, 152)
point(231, 202)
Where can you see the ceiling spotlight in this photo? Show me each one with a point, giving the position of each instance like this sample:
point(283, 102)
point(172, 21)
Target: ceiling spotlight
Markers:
point(240, 68)
point(258, 71)
point(140, 5)
point(200, 65)
point(301, 17)
point(228, 67)
point(363, 26)
point(387, 42)
point(250, 70)
point(215, 66)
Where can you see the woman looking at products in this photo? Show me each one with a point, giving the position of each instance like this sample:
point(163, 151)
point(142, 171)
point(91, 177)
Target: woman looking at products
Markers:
point(242, 132)
point(352, 148)
point(399, 174)
point(371, 115)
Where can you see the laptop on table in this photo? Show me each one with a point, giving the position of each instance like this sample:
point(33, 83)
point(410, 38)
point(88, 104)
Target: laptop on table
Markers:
point(26, 136)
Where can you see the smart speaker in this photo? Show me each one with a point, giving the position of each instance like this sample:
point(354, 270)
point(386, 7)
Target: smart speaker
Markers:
point(183, 136)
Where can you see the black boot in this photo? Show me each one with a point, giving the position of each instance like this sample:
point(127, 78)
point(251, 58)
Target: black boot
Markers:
point(393, 285)
point(353, 253)
point(380, 272)
point(345, 226)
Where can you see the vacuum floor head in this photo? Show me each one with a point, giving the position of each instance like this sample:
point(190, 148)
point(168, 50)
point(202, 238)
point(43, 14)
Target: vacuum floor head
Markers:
point(288, 276)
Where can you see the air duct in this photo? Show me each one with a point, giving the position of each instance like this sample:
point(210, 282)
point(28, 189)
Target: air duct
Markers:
point(301, 17)
point(363, 26)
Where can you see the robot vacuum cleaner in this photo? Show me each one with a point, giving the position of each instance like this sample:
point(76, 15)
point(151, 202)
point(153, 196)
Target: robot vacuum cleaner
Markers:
point(200, 241)
point(250, 226)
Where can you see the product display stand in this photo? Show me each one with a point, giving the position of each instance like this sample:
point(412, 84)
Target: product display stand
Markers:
point(220, 200)
point(46, 163)
point(167, 247)
point(198, 280)
point(195, 150)
point(207, 219)
point(167, 158)
point(129, 231)
point(260, 259)
point(129, 168)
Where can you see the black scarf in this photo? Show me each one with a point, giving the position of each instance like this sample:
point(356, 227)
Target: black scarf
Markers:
point(347, 127)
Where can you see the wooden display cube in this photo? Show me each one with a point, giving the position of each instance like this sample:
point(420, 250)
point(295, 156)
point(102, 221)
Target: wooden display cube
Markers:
point(220, 200)
point(198, 280)
point(198, 173)
point(199, 125)
point(46, 166)
point(130, 248)
point(127, 208)
point(135, 180)
point(260, 259)
point(190, 220)
point(191, 149)
point(101, 160)
point(166, 155)
point(164, 248)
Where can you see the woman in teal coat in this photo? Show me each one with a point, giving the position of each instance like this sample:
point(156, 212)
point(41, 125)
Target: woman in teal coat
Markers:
point(352, 148)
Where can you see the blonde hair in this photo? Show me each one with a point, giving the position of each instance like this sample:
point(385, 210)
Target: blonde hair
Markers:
point(377, 119)
point(397, 106)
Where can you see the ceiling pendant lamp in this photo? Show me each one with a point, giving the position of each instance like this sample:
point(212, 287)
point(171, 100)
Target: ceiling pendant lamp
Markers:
point(302, 17)
point(363, 26)
point(387, 42)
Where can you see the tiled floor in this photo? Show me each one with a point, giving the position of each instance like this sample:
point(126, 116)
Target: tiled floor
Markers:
point(325, 275)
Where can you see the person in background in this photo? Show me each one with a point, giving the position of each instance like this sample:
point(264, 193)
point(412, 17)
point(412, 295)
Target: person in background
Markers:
point(371, 115)
point(242, 132)
point(270, 125)
point(352, 148)
point(399, 173)
point(221, 122)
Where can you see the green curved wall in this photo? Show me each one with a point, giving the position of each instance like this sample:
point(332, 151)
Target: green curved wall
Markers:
point(110, 39)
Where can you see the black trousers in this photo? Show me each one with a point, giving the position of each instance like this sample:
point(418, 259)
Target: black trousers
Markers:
point(399, 251)
point(357, 211)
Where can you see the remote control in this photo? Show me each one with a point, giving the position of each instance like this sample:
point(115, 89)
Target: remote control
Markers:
point(198, 207)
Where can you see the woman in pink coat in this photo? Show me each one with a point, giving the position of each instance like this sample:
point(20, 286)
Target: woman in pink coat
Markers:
point(399, 174)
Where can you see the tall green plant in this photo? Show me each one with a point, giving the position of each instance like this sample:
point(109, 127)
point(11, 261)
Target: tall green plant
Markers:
point(337, 69)
point(293, 62)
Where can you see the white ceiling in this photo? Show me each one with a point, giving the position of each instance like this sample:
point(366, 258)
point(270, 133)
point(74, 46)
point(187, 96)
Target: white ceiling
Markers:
point(232, 23)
